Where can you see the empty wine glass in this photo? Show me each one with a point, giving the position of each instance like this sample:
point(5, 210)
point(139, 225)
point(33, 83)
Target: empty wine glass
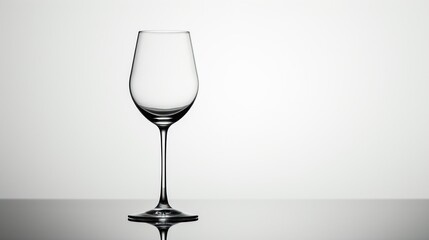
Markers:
point(163, 86)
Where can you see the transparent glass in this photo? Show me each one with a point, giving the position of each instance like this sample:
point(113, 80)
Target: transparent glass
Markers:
point(163, 86)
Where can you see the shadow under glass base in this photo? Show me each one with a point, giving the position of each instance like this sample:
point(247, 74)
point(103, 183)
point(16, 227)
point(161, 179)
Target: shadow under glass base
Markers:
point(162, 214)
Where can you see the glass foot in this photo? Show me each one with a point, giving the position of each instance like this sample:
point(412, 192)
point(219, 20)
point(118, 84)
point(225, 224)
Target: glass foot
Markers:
point(162, 215)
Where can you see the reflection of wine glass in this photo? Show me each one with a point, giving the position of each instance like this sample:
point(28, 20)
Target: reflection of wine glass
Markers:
point(163, 86)
point(163, 227)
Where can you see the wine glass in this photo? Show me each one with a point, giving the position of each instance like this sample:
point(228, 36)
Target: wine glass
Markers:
point(163, 86)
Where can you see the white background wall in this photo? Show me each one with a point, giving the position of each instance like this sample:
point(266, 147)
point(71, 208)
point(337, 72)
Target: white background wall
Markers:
point(298, 99)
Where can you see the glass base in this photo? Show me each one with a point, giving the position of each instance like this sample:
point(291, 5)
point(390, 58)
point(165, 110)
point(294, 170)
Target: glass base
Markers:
point(162, 215)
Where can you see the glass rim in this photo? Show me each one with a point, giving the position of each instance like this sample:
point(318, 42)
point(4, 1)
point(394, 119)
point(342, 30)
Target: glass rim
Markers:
point(163, 31)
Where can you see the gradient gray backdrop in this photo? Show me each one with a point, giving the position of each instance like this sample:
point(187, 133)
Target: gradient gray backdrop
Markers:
point(298, 99)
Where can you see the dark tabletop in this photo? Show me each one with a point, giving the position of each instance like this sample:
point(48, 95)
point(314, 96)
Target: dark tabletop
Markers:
point(218, 219)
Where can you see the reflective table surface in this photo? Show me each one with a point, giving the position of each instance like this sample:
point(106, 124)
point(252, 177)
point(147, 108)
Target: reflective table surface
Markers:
point(218, 219)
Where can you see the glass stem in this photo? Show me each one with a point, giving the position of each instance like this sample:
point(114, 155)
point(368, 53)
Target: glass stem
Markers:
point(163, 201)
